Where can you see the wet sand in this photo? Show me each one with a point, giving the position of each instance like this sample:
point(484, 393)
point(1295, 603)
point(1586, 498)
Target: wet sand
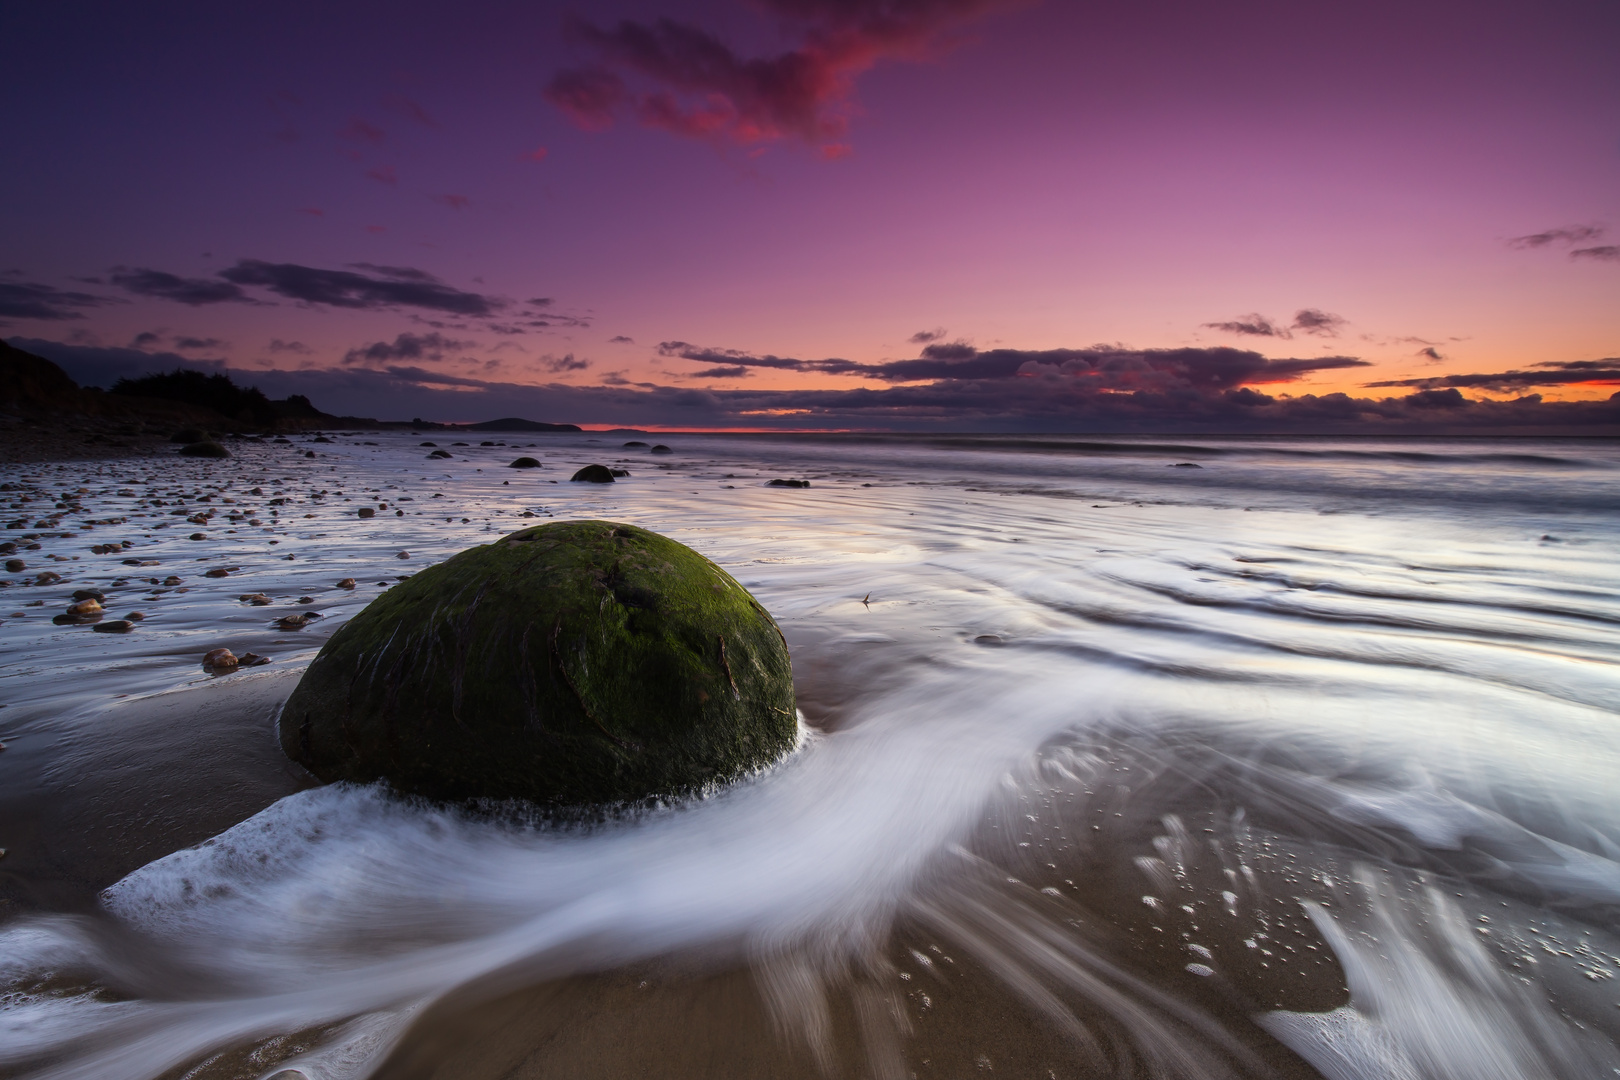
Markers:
point(136, 781)
point(1282, 760)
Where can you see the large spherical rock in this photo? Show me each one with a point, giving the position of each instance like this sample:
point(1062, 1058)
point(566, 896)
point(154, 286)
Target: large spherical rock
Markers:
point(573, 663)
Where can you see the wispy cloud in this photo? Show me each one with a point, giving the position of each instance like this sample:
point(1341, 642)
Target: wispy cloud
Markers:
point(1567, 236)
point(1605, 372)
point(394, 287)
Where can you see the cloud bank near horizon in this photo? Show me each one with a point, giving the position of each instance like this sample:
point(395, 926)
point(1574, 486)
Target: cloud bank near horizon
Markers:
point(1137, 391)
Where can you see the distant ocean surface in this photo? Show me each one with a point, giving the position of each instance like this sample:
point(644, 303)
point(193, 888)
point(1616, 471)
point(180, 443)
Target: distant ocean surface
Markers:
point(1136, 757)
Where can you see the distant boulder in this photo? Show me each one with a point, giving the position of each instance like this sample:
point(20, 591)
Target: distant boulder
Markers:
point(594, 474)
point(635, 442)
point(205, 450)
point(662, 449)
point(524, 463)
point(788, 483)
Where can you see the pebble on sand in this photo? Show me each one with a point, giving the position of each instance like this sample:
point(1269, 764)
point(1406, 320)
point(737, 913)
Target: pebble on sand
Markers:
point(85, 607)
point(116, 626)
point(220, 660)
point(346, 583)
point(217, 572)
point(366, 511)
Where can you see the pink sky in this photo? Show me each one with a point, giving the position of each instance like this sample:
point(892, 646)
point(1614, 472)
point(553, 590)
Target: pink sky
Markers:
point(803, 179)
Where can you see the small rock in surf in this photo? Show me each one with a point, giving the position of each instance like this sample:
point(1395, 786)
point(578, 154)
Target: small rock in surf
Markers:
point(593, 474)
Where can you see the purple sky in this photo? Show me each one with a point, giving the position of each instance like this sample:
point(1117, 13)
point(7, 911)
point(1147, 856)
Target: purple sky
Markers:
point(831, 213)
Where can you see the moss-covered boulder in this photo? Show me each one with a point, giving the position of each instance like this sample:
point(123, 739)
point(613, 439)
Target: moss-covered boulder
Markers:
point(573, 663)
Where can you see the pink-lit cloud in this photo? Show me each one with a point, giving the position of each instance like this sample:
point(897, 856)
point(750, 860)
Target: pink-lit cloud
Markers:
point(689, 82)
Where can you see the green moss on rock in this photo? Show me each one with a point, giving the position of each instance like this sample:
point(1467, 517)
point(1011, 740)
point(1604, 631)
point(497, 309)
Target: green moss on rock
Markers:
point(573, 663)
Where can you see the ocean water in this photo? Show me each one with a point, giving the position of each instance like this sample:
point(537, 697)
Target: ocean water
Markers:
point(1299, 762)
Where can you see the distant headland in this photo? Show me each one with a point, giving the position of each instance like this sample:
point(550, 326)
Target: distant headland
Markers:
point(45, 415)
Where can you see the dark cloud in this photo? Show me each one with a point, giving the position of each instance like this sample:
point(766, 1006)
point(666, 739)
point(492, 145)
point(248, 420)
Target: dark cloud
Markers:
point(737, 372)
point(198, 343)
point(1315, 321)
point(27, 300)
point(405, 347)
point(692, 83)
point(193, 291)
point(563, 363)
point(1605, 253)
point(1604, 372)
point(1430, 352)
point(146, 338)
point(278, 346)
point(1572, 234)
point(1306, 321)
point(393, 287)
point(1437, 399)
point(923, 337)
point(1100, 368)
point(620, 339)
